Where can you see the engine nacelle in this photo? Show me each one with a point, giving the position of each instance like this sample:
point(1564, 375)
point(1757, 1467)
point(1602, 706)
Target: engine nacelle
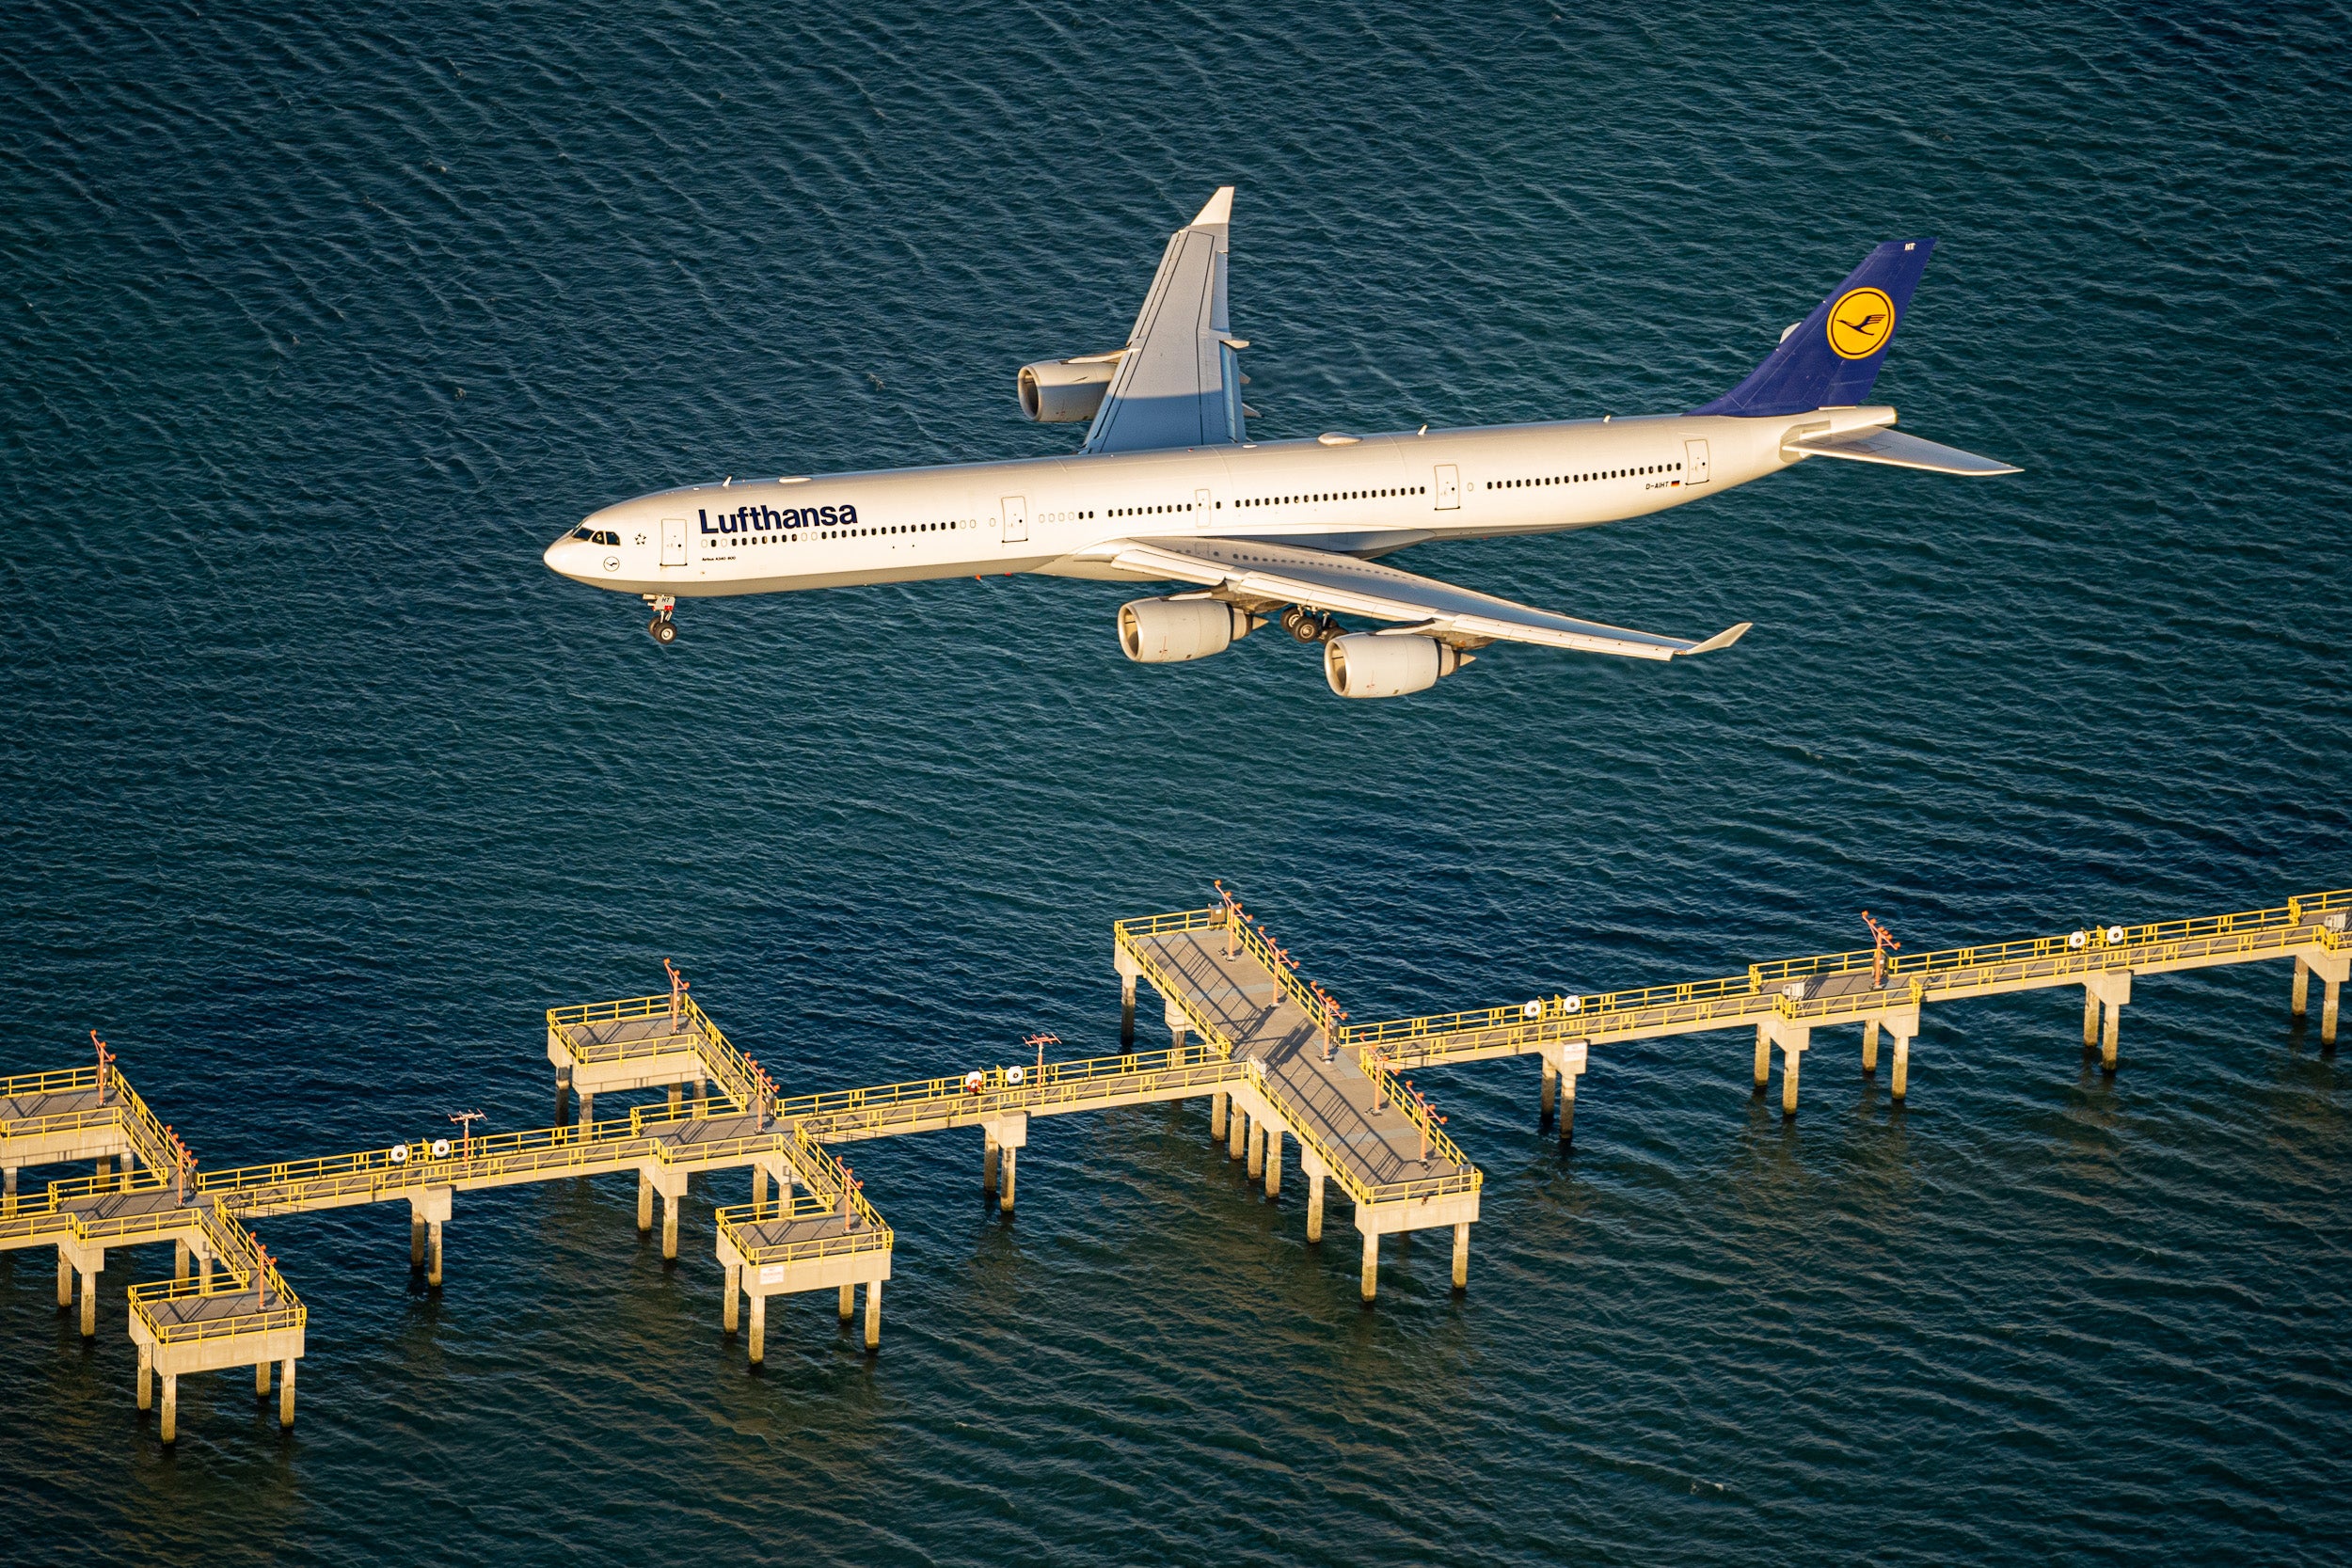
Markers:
point(1169, 631)
point(1063, 391)
point(1365, 665)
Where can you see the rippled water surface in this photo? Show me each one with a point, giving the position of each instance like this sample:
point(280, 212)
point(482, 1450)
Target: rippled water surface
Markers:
point(320, 787)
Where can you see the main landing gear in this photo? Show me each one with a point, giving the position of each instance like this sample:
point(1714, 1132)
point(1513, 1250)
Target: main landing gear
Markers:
point(1307, 626)
point(662, 628)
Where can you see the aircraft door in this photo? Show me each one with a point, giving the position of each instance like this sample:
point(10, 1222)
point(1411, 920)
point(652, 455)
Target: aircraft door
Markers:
point(1203, 503)
point(1448, 488)
point(674, 541)
point(1016, 519)
point(1694, 462)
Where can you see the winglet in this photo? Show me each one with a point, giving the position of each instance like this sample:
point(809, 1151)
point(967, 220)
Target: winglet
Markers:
point(1219, 209)
point(1721, 640)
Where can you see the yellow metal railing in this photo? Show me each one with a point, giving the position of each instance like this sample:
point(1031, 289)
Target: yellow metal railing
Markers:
point(239, 1259)
point(1758, 991)
point(64, 1080)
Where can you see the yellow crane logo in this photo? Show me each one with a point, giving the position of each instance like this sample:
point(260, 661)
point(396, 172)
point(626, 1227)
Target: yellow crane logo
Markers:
point(1859, 323)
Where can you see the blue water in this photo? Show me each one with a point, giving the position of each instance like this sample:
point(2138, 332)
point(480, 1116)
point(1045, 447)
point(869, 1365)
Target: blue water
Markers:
point(320, 787)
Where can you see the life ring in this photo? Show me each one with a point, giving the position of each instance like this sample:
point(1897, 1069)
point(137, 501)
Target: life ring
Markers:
point(398, 1154)
point(1533, 1009)
point(1014, 1074)
point(2115, 935)
point(2078, 940)
point(1575, 1005)
point(972, 1079)
point(440, 1148)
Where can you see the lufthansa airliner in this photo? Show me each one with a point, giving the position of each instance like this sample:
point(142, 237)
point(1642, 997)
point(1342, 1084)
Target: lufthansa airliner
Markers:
point(1168, 488)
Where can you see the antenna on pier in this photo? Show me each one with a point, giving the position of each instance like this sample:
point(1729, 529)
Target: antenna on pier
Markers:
point(465, 1120)
point(1886, 942)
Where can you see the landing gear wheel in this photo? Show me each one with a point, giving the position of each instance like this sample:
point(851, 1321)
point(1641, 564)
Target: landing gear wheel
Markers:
point(662, 629)
point(1302, 626)
point(1328, 631)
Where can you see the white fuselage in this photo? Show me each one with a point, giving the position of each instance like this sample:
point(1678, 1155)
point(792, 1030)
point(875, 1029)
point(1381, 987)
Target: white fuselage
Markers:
point(1058, 516)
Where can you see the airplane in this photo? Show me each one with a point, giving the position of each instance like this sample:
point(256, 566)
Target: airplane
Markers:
point(1170, 488)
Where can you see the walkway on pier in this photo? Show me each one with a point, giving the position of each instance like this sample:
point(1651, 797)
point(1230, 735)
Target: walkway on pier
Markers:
point(1274, 1056)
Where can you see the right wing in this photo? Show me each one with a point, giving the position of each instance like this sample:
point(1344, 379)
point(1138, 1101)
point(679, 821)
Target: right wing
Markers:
point(1177, 384)
point(1253, 573)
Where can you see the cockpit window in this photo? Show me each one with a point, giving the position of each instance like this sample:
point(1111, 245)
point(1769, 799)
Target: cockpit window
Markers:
point(608, 537)
point(584, 532)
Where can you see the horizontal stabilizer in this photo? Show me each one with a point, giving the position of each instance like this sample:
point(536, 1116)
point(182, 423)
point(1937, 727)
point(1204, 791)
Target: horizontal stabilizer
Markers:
point(1896, 450)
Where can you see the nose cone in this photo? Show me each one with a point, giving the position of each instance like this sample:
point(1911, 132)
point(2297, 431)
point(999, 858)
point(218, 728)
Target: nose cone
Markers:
point(569, 557)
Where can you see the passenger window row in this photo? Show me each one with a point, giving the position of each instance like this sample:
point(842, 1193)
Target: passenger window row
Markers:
point(1335, 496)
point(1584, 479)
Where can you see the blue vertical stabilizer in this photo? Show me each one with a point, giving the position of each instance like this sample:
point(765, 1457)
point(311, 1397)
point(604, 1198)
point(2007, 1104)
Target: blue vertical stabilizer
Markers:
point(1830, 360)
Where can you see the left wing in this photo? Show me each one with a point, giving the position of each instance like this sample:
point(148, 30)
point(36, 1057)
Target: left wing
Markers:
point(1177, 384)
point(1255, 575)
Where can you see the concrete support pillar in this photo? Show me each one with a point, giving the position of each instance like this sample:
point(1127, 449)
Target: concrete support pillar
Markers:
point(1461, 1255)
point(759, 1346)
point(1763, 1055)
point(65, 1281)
point(105, 1169)
point(1174, 1018)
point(1273, 1159)
point(848, 1302)
point(1257, 1150)
point(1315, 1205)
point(677, 1098)
point(169, 1423)
point(1550, 1092)
point(563, 1096)
point(261, 1380)
point(147, 1377)
point(644, 1204)
point(1870, 1049)
point(1568, 1107)
point(179, 1263)
point(873, 1315)
point(991, 1163)
point(2107, 1041)
point(1237, 1127)
point(432, 1253)
point(587, 1112)
point(1791, 1056)
point(759, 1191)
point(90, 1302)
point(1004, 1198)
point(1371, 1264)
point(1126, 1009)
point(1902, 1065)
point(7, 1191)
point(127, 1168)
point(285, 1393)
point(2327, 1011)
point(2299, 1000)
point(735, 1297)
point(1219, 1104)
point(2090, 1018)
point(669, 1227)
point(204, 1273)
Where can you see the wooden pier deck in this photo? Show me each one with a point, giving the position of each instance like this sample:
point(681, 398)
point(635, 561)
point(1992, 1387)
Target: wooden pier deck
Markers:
point(1275, 1058)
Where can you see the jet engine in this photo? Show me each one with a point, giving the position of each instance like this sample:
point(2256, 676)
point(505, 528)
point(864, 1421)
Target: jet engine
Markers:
point(1169, 631)
point(1063, 391)
point(1363, 664)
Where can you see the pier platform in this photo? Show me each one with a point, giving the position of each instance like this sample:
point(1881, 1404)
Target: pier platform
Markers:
point(1275, 1057)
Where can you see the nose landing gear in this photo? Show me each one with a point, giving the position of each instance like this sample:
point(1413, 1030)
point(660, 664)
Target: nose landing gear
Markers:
point(662, 628)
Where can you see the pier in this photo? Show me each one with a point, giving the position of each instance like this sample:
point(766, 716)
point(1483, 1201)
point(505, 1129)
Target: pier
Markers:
point(1275, 1057)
